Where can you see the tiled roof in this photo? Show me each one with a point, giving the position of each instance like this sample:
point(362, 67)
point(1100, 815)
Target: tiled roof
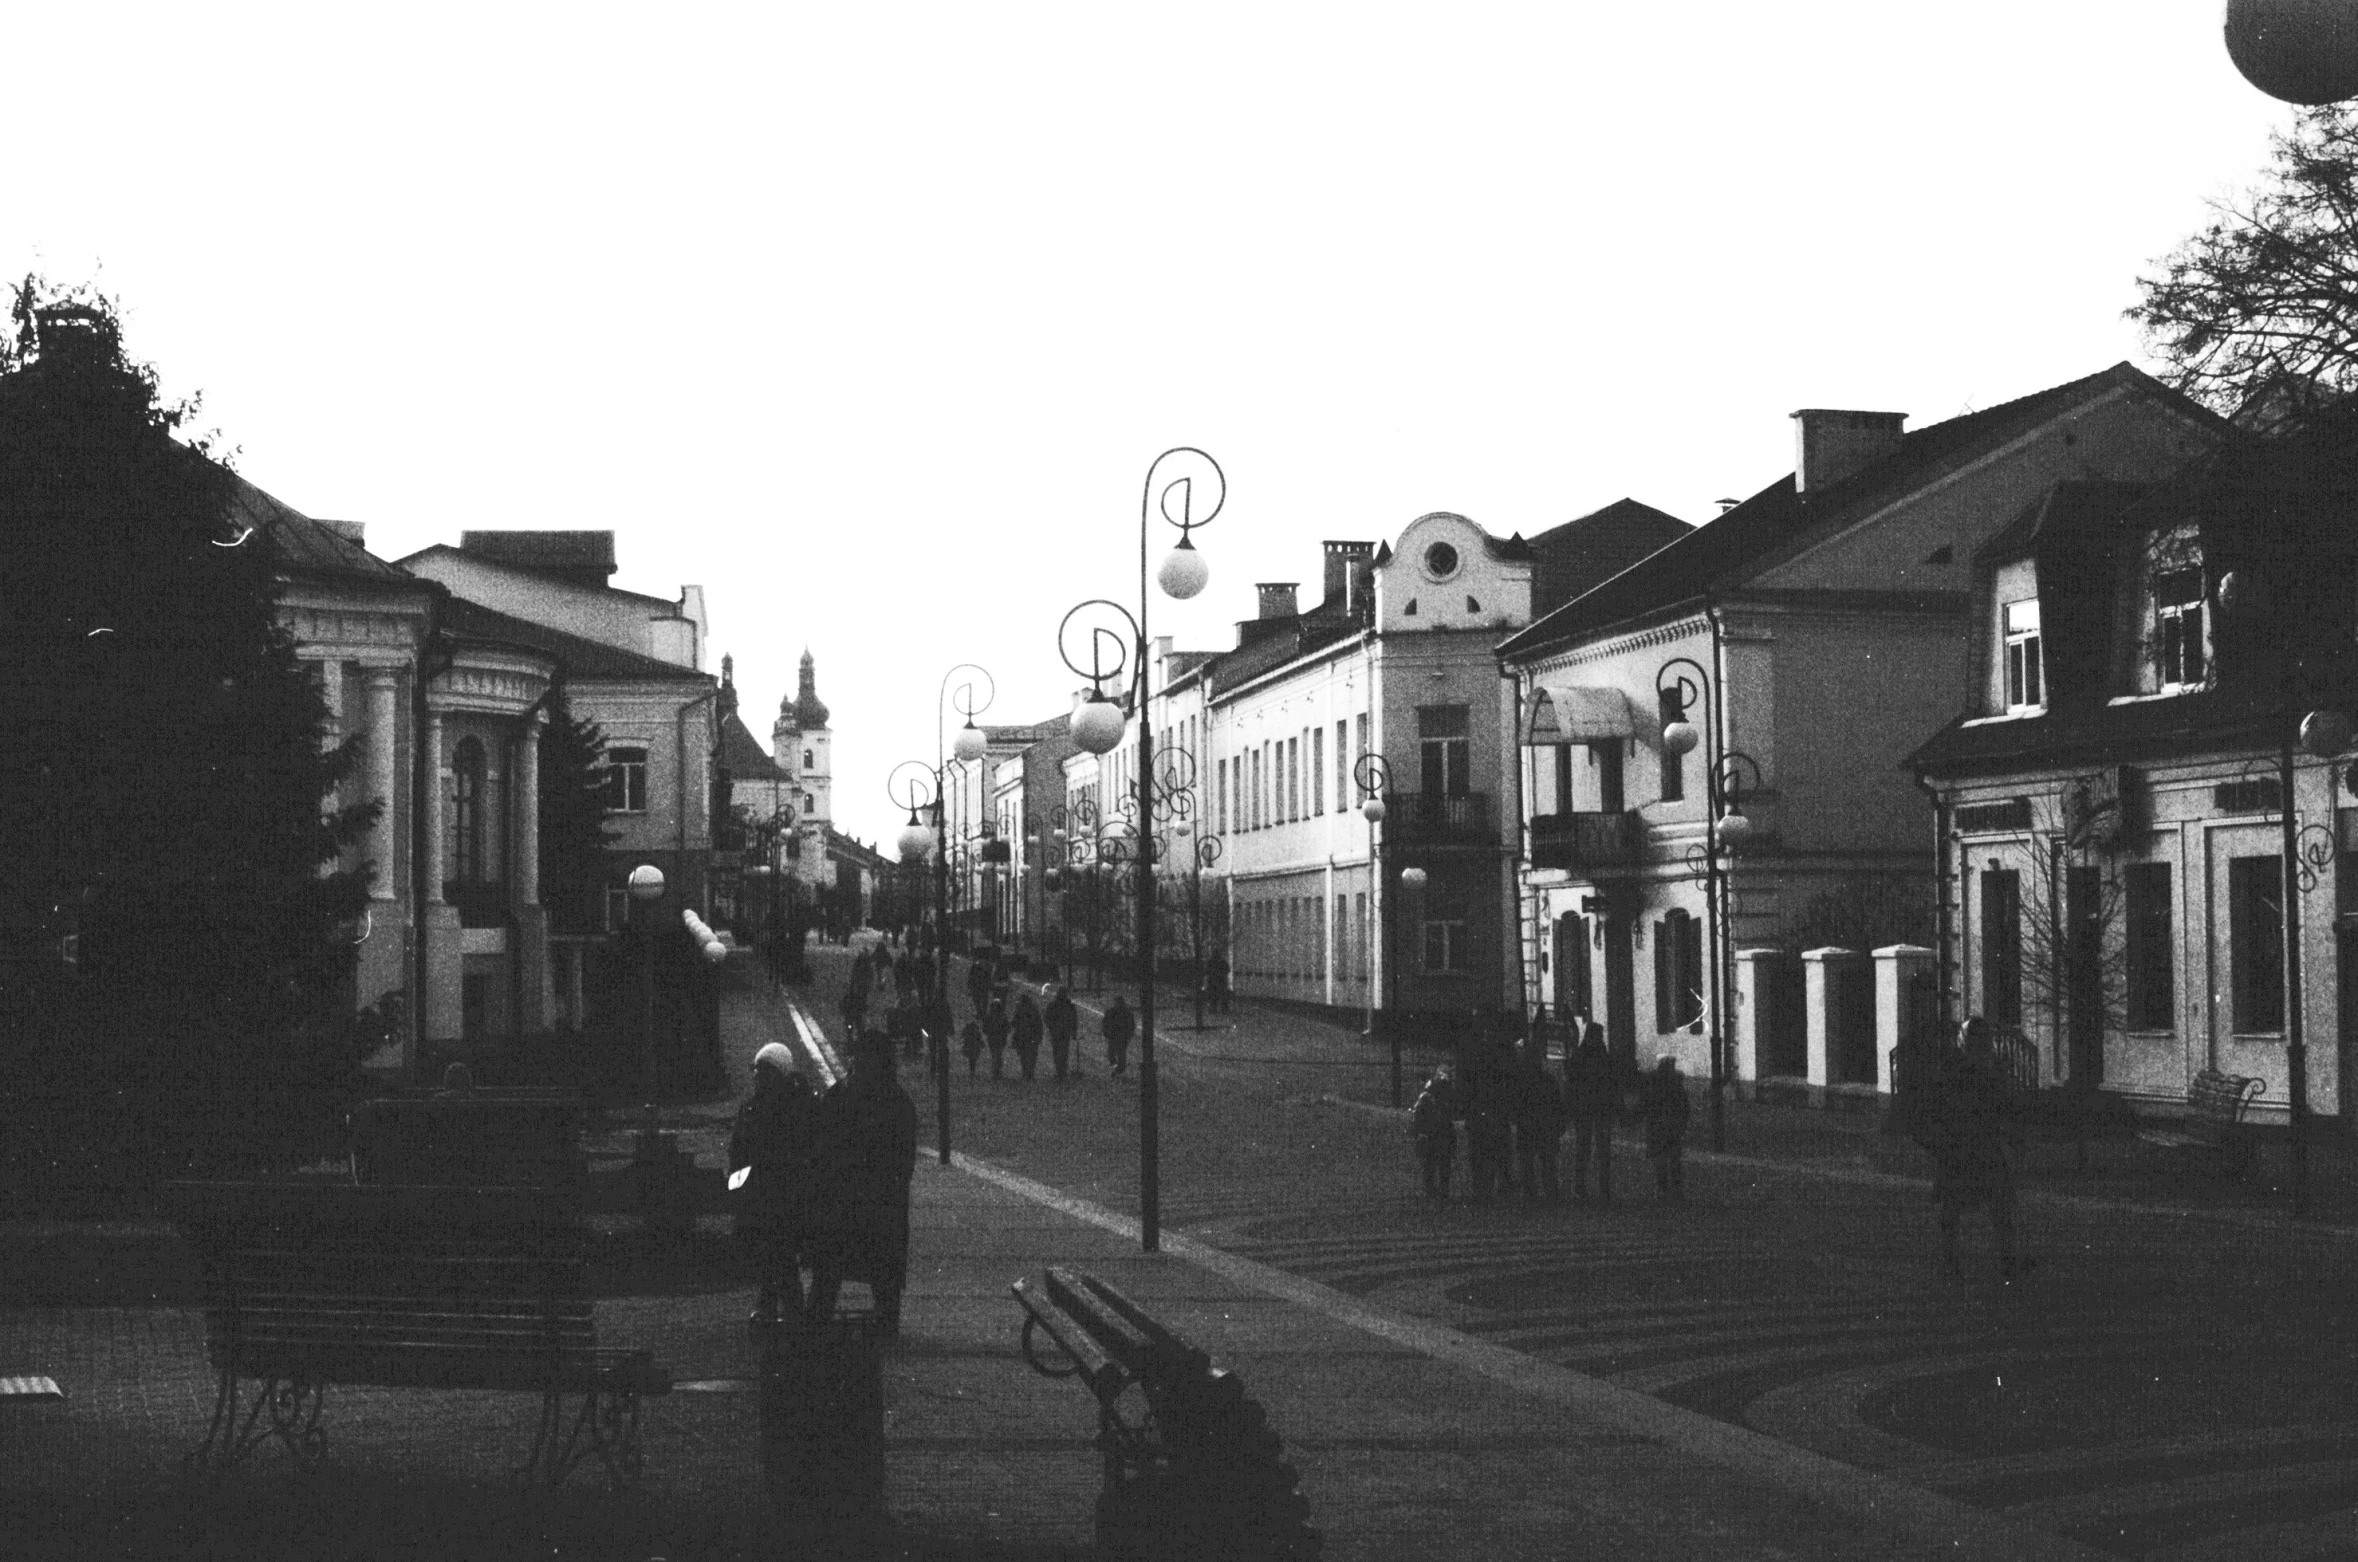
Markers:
point(486, 562)
point(583, 659)
point(567, 552)
point(2208, 721)
point(305, 547)
point(742, 754)
point(1270, 651)
point(1723, 552)
point(1570, 559)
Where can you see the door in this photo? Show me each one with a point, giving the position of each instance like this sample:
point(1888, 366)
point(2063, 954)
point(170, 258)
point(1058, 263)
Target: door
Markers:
point(1620, 991)
point(1572, 1000)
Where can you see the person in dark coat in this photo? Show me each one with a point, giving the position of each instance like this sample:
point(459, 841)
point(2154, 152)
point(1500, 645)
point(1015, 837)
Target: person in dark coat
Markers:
point(978, 984)
point(970, 1042)
point(1432, 1123)
point(1216, 982)
point(1487, 1098)
point(1971, 1112)
point(996, 1025)
point(1539, 1127)
point(1118, 1026)
point(866, 1143)
point(1592, 1091)
point(863, 976)
point(771, 1145)
point(1025, 1037)
point(1662, 1113)
point(1063, 1022)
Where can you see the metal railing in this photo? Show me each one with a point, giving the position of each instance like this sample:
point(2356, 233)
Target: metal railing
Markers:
point(1587, 840)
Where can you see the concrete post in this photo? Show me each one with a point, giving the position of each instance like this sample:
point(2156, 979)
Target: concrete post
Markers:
point(1821, 969)
point(1896, 969)
point(1751, 1011)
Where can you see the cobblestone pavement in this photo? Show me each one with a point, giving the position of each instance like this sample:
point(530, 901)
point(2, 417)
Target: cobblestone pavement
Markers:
point(2166, 1382)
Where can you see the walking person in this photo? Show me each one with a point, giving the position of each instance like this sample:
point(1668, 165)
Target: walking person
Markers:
point(1118, 1026)
point(1489, 1112)
point(771, 1147)
point(1539, 1126)
point(978, 984)
point(1063, 1021)
point(995, 1026)
point(1432, 1124)
point(1025, 1037)
point(1592, 1090)
point(866, 1143)
point(970, 1042)
point(1662, 1112)
point(1970, 1125)
point(1216, 982)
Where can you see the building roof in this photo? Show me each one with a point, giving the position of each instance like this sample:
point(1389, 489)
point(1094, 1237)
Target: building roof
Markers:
point(1570, 559)
point(670, 605)
point(742, 755)
point(319, 550)
point(2207, 721)
point(584, 660)
point(1725, 551)
point(584, 557)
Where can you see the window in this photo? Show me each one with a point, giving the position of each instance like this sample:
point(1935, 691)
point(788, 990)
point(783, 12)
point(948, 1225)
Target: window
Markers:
point(1344, 967)
point(1445, 750)
point(2255, 942)
point(1293, 779)
point(1445, 944)
point(467, 822)
point(1223, 797)
point(1606, 756)
point(1318, 770)
point(1678, 972)
point(626, 780)
point(2025, 676)
point(2152, 995)
point(2001, 946)
point(2178, 636)
point(1362, 944)
point(1563, 778)
point(1362, 747)
point(1674, 766)
point(806, 760)
point(1441, 561)
point(1342, 767)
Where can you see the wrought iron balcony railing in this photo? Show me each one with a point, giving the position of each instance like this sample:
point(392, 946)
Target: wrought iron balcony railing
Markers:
point(1430, 817)
point(1587, 840)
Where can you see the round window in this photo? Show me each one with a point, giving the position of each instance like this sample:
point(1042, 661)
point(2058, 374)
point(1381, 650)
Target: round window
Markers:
point(1441, 561)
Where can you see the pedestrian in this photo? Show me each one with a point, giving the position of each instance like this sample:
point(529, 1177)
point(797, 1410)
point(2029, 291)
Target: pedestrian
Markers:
point(855, 1011)
point(1216, 982)
point(978, 983)
point(1489, 1090)
point(1662, 1111)
point(1971, 1111)
point(937, 1025)
point(970, 1041)
point(995, 1026)
point(1593, 1094)
point(1063, 1022)
point(1118, 1026)
point(1026, 1035)
point(1432, 1123)
point(902, 1024)
point(863, 976)
point(903, 971)
point(866, 1153)
point(770, 1148)
point(1539, 1126)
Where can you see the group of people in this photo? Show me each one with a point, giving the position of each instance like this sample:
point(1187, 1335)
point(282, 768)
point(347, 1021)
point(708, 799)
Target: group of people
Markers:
point(1515, 1114)
point(822, 1181)
point(1004, 1016)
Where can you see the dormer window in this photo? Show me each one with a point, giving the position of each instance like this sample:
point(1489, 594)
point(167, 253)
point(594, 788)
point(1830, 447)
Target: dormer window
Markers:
point(2026, 678)
point(2178, 629)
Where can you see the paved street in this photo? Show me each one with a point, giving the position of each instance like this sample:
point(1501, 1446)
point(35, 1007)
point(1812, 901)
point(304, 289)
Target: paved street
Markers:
point(2165, 1382)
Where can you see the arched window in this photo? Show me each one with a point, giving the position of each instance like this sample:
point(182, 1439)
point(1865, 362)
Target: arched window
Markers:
point(467, 823)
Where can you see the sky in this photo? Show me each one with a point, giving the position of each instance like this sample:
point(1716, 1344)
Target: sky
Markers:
point(870, 320)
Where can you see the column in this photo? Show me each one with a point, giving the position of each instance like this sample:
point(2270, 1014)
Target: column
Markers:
point(526, 877)
point(431, 803)
point(331, 733)
point(442, 1002)
point(384, 716)
point(535, 989)
point(1897, 969)
point(1753, 974)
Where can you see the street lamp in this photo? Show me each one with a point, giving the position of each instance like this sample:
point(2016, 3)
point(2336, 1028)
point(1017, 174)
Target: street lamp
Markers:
point(646, 888)
point(906, 787)
point(2299, 51)
point(1729, 776)
point(1374, 779)
point(1207, 852)
point(1097, 727)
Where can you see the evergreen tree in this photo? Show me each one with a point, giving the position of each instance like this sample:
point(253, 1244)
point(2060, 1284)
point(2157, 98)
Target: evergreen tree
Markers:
point(164, 774)
point(573, 829)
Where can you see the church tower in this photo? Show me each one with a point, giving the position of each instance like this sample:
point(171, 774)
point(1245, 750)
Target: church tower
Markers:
point(799, 740)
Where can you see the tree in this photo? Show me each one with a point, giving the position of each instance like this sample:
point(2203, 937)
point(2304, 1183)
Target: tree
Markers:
point(2264, 300)
point(574, 833)
point(165, 773)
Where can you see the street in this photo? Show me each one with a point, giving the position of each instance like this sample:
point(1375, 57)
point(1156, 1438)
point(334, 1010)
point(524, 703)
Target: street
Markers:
point(2158, 1384)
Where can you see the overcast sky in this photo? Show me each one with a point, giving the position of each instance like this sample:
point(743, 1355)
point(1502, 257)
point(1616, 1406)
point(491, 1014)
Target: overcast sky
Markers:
point(869, 319)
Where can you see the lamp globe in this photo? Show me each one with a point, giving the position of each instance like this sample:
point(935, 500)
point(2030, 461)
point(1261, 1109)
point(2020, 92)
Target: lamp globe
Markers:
point(968, 745)
point(1097, 725)
point(1412, 878)
point(1734, 827)
point(2298, 51)
point(1680, 737)
point(1184, 572)
point(646, 882)
point(1373, 810)
point(2325, 733)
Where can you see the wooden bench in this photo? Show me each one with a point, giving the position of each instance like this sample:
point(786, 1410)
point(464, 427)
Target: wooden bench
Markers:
point(2214, 1120)
point(1201, 1473)
point(307, 1285)
point(481, 1138)
point(30, 1391)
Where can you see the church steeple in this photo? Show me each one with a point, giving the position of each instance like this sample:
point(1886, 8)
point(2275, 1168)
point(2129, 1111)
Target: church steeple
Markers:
point(810, 712)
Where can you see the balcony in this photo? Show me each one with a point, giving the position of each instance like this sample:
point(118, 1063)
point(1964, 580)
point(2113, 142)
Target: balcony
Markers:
point(1436, 819)
point(1579, 841)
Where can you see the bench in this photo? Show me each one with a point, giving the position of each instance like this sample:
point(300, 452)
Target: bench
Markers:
point(2215, 1107)
point(386, 1286)
point(1200, 1474)
point(482, 1138)
point(30, 1391)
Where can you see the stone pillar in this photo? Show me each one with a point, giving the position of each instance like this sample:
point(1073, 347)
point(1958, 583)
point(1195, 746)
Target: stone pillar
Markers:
point(1751, 1006)
point(384, 725)
point(531, 953)
point(1820, 970)
point(442, 1010)
point(1896, 968)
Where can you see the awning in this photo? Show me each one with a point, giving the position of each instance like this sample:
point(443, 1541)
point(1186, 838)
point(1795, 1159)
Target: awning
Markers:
point(1578, 713)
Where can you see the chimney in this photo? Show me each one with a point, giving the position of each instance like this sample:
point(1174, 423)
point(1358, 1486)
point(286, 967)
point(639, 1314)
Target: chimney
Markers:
point(1277, 599)
point(1346, 574)
point(1829, 445)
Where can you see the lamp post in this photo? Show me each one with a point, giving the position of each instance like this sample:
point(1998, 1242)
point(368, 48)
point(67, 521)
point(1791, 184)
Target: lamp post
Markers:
point(646, 888)
point(1374, 779)
point(1097, 727)
point(1207, 852)
point(906, 787)
point(1729, 776)
point(1412, 884)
